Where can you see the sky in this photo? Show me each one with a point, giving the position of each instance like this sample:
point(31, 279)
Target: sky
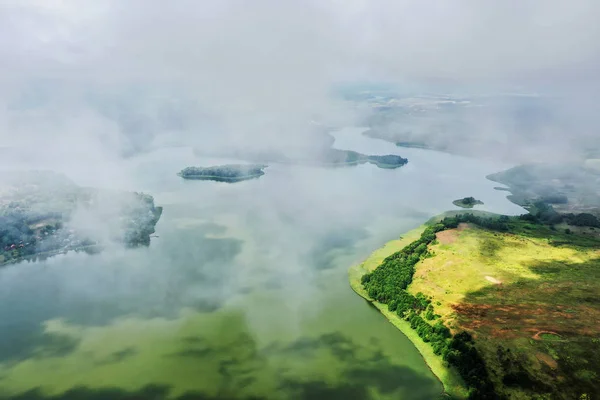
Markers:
point(103, 77)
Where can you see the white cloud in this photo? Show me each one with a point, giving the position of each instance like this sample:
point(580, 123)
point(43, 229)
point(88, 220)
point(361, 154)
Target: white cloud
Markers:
point(259, 70)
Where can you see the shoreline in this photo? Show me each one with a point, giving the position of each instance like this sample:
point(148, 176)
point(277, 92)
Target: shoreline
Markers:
point(51, 253)
point(216, 178)
point(450, 379)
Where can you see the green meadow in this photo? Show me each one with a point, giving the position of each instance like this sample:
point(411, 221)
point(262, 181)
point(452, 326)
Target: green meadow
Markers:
point(530, 297)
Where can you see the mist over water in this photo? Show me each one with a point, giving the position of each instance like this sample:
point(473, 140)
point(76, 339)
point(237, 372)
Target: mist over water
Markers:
point(244, 292)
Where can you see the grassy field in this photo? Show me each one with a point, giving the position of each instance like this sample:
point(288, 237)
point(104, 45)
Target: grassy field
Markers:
point(531, 299)
point(450, 379)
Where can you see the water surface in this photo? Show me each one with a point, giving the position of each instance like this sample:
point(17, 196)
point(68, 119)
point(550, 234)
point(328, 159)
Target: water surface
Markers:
point(243, 295)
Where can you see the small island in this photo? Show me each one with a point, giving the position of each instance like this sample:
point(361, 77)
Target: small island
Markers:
point(467, 202)
point(224, 173)
point(388, 161)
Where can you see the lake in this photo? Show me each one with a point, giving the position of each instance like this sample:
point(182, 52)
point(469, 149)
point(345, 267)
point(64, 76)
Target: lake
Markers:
point(244, 293)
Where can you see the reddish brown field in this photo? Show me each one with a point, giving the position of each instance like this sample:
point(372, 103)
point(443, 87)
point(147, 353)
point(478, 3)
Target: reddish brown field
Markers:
point(532, 306)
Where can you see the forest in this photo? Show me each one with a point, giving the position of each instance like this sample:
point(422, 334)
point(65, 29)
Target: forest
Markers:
point(543, 212)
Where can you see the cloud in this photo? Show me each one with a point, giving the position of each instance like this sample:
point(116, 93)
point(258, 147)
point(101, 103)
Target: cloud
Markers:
point(481, 41)
point(260, 69)
point(198, 41)
point(91, 82)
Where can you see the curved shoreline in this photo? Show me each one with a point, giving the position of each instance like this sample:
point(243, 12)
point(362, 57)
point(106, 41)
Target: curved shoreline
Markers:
point(449, 377)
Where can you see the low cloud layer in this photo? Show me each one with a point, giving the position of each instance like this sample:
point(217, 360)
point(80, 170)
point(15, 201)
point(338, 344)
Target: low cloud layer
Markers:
point(273, 41)
point(104, 79)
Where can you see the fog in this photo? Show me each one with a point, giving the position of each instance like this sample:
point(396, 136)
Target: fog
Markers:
point(93, 81)
point(124, 94)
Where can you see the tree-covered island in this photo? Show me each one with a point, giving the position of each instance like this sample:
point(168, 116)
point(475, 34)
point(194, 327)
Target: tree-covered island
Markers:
point(224, 173)
point(467, 202)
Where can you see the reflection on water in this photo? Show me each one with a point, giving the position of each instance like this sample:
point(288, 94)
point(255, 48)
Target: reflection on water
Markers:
point(244, 294)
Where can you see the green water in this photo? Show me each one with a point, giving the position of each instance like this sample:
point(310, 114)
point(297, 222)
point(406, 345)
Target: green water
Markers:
point(243, 295)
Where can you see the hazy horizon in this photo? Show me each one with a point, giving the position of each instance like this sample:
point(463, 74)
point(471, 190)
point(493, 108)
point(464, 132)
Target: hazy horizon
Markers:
point(93, 82)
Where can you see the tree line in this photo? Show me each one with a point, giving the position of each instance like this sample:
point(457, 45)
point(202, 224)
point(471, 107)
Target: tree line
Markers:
point(388, 283)
point(542, 212)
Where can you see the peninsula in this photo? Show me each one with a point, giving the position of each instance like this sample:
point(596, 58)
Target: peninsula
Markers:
point(568, 188)
point(43, 213)
point(317, 153)
point(492, 318)
point(324, 158)
point(224, 173)
point(336, 157)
